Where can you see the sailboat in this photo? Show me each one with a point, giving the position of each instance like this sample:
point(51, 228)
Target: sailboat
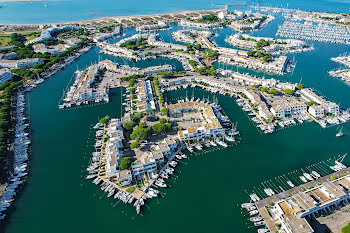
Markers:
point(340, 133)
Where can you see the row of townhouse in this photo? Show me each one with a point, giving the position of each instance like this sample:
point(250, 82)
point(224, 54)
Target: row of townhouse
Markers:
point(118, 30)
point(117, 49)
point(153, 39)
point(161, 25)
point(277, 65)
point(211, 126)
point(114, 154)
point(192, 24)
point(322, 106)
point(250, 80)
point(84, 90)
point(152, 70)
point(117, 68)
point(186, 35)
point(254, 97)
point(133, 38)
point(145, 99)
point(5, 75)
point(23, 63)
point(248, 41)
point(148, 162)
point(9, 56)
point(288, 108)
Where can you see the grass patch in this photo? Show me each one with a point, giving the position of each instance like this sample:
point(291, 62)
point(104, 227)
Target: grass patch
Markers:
point(6, 38)
point(346, 229)
point(130, 190)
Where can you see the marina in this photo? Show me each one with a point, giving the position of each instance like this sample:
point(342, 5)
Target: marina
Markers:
point(314, 32)
point(66, 142)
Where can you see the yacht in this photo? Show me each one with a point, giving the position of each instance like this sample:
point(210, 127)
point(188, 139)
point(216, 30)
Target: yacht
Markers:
point(160, 184)
point(303, 179)
point(152, 193)
point(315, 174)
point(213, 143)
point(221, 143)
point(261, 223)
point(198, 147)
point(290, 183)
point(253, 212)
point(263, 230)
point(173, 163)
point(308, 176)
point(246, 205)
point(256, 219)
point(340, 133)
point(230, 138)
point(184, 156)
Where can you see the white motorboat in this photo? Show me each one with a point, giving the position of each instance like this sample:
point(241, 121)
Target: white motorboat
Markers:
point(221, 143)
point(253, 212)
point(230, 139)
point(263, 230)
point(303, 179)
point(246, 205)
point(160, 184)
point(261, 223)
point(308, 176)
point(256, 219)
point(290, 184)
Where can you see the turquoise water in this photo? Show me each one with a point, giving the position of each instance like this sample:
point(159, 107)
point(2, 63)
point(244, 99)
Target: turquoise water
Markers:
point(76, 10)
point(208, 187)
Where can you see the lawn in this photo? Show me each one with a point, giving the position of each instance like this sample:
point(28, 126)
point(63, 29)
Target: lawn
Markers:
point(6, 38)
point(346, 229)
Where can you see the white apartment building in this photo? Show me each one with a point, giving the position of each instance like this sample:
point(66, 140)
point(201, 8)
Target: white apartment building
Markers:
point(24, 63)
point(288, 108)
point(5, 75)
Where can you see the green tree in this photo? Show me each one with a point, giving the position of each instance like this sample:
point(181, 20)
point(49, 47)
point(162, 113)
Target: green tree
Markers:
point(137, 115)
point(132, 82)
point(141, 132)
point(273, 91)
point(300, 86)
point(129, 125)
point(197, 46)
point(264, 89)
point(165, 111)
point(310, 103)
point(105, 120)
point(135, 145)
point(288, 91)
point(125, 163)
